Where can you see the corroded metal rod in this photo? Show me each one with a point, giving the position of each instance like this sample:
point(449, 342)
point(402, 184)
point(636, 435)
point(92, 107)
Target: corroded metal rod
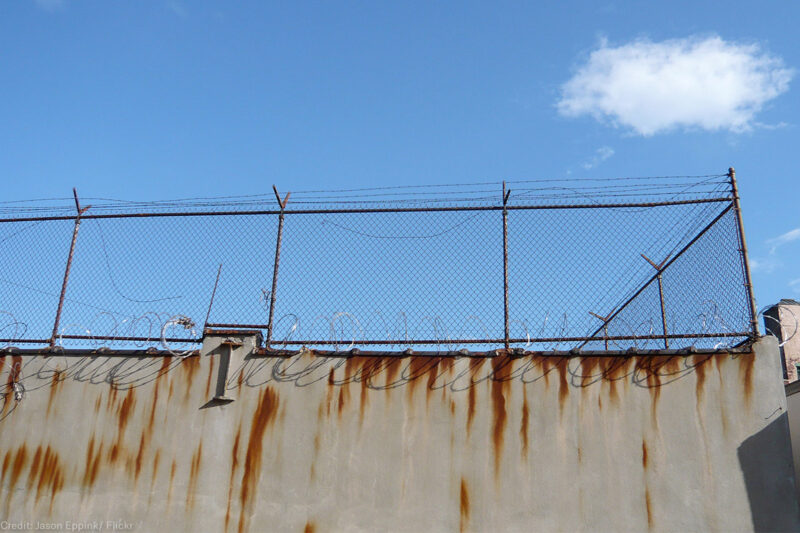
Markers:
point(748, 282)
point(282, 204)
point(64, 283)
point(505, 264)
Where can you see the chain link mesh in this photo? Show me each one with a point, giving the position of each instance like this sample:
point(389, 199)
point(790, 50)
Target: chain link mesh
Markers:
point(585, 268)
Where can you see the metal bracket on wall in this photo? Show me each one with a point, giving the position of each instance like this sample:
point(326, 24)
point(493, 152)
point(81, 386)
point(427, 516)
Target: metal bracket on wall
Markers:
point(224, 369)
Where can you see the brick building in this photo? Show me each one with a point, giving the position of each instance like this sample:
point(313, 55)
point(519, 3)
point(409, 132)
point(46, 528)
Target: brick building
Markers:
point(783, 321)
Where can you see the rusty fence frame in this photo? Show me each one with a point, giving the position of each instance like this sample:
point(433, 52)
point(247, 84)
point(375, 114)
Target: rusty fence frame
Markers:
point(732, 202)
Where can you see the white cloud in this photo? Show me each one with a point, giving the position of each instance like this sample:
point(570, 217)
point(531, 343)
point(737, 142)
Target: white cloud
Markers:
point(780, 240)
point(766, 265)
point(600, 155)
point(652, 87)
point(795, 285)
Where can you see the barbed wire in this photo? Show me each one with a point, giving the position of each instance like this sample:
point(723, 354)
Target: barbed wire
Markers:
point(396, 276)
point(526, 190)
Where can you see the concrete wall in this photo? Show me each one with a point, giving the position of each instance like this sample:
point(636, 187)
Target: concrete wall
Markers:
point(683, 443)
point(793, 407)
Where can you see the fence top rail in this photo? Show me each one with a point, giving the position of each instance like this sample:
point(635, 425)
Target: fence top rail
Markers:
point(743, 348)
point(620, 205)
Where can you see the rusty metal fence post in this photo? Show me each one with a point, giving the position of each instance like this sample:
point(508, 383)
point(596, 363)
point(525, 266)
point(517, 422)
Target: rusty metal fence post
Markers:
point(64, 283)
point(270, 323)
point(505, 264)
point(659, 268)
point(748, 282)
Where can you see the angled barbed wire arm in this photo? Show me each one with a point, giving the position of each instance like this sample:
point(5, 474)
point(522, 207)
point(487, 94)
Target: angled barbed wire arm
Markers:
point(748, 282)
point(79, 211)
point(276, 264)
point(605, 320)
point(663, 268)
point(659, 267)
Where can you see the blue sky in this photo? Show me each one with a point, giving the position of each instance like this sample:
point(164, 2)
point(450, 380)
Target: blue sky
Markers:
point(171, 99)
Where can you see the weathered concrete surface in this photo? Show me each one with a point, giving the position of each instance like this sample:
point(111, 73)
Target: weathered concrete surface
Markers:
point(414, 444)
point(793, 407)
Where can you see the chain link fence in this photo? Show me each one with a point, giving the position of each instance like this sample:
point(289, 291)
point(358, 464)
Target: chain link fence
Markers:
point(646, 263)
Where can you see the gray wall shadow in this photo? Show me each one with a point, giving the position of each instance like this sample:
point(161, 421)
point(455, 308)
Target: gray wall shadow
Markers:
point(766, 462)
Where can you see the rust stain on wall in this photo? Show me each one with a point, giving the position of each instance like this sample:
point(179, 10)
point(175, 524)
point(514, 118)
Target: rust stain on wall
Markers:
point(125, 409)
point(234, 465)
point(647, 502)
point(312, 472)
point(37, 457)
point(523, 428)
point(17, 464)
point(6, 464)
point(165, 363)
point(123, 417)
point(46, 473)
point(470, 407)
point(720, 360)
point(588, 364)
point(262, 418)
point(153, 406)
point(343, 394)
point(498, 409)
point(417, 366)
point(699, 365)
point(156, 459)
point(644, 454)
point(112, 395)
point(194, 472)
point(329, 392)
point(362, 404)
point(563, 386)
point(746, 363)
point(92, 466)
point(650, 370)
point(190, 365)
point(464, 507)
point(310, 527)
point(171, 481)
point(139, 457)
point(391, 371)
point(433, 373)
point(544, 366)
point(614, 370)
point(55, 383)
